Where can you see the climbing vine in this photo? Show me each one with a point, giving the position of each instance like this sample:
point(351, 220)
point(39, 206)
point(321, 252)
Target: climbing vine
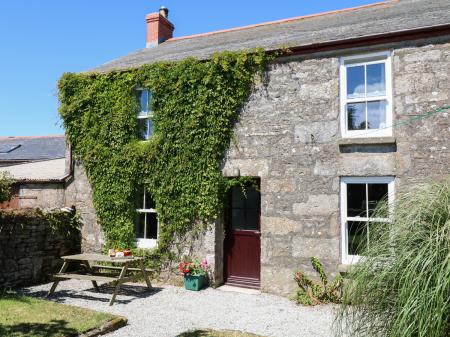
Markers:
point(195, 105)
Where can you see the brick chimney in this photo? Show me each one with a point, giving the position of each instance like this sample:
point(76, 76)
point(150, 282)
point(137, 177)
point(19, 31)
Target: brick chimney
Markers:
point(159, 28)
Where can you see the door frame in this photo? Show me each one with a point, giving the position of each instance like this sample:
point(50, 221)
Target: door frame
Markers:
point(244, 282)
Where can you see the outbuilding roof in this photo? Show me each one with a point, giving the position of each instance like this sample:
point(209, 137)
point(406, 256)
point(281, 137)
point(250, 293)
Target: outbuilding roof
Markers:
point(38, 171)
point(32, 148)
point(365, 21)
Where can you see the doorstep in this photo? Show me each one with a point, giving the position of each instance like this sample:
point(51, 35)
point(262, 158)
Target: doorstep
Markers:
point(239, 290)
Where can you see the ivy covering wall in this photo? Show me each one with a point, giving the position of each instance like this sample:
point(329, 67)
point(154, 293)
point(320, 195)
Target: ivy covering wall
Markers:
point(195, 104)
point(6, 183)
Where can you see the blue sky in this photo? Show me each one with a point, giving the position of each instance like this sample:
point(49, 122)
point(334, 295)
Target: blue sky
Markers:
point(40, 40)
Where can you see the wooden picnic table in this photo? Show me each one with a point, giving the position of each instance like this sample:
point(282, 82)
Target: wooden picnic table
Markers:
point(93, 271)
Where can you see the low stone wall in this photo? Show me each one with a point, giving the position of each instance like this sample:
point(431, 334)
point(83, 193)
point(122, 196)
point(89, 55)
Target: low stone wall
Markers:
point(31, 243)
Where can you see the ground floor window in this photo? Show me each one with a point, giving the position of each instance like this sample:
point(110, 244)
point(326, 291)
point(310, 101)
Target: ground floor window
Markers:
point(359, 199)
point(146, 220)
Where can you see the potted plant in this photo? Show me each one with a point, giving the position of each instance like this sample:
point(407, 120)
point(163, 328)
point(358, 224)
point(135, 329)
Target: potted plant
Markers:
point(195, 274)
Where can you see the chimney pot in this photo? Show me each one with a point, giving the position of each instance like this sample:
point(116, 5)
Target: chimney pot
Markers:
point(159, 28)
point(164, 12)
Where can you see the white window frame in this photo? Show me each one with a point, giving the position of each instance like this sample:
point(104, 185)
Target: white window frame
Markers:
point(390, 181)
point(144, 242)
point(358, 60)
point(147, 115)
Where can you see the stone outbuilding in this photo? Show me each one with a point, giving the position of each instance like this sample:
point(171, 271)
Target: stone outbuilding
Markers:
point(356, 111)
point(40, 165)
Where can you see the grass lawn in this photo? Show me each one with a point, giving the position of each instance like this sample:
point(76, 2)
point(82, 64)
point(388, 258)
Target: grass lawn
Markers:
point(32, 317)
point(215, 333)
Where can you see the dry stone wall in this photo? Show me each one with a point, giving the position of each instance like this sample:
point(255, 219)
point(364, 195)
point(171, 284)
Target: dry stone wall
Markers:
point(30, 251)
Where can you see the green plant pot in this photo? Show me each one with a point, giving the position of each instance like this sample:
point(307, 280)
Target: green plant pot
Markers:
point(194, 283)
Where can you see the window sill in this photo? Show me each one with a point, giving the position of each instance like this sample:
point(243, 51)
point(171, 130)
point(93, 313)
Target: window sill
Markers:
point(146, 243)
point(367, 141)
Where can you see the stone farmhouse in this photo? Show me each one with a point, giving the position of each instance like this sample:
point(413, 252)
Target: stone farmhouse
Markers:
point(354, 112)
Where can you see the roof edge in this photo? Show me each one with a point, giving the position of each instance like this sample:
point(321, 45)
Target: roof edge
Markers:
point(370, 40)
point(31, 137)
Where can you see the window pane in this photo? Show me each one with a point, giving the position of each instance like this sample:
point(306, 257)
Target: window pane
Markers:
point(356, 200)
point(376, 193)
point(140, 223)
point(252, 220)
point(376, 115)
point(140, 197)
point(355, 82)
point(357, 237)
point(143, 100)
point(143, 128)
point(253, 198)
point(356, 116)
point(238, 219)
point(149, 128)
point(376, 80)
point(377, 232)
point(152, 226)
point(148, 202)
point(237, 197)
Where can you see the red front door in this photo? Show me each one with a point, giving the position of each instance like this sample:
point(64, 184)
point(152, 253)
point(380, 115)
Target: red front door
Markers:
point(242, 238)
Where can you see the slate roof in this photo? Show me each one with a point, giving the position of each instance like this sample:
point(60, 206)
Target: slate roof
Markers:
point(370, 20)
point(32, 148)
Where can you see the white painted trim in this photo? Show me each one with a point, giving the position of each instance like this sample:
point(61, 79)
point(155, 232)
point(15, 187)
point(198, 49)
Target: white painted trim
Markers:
point(146, 114)
point(389, 180)
point(146, 210)
point(358, 60)
point(146, 243)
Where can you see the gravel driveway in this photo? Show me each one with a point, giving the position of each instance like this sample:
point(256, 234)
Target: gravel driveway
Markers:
point(168, 311)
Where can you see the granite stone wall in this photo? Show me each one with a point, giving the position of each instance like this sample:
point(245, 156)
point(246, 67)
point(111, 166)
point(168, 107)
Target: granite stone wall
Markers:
point(41, 195)
point(78, 193)
point(289, 136)
point(30, 251)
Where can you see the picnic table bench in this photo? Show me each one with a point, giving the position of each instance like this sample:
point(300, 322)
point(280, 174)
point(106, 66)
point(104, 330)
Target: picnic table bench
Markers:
point(94, 273)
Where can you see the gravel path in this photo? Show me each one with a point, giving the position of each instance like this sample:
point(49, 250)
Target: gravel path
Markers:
point(168, 311)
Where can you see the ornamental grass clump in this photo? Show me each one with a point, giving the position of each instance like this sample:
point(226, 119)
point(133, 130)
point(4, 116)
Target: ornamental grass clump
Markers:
point(401, 288)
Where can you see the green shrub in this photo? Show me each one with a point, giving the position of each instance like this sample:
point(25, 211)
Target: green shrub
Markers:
point(311, 293)
point(6, 182)
point(402, 287)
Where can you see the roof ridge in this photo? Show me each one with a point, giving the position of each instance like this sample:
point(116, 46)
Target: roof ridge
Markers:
point(302, 17)
point(30, 137)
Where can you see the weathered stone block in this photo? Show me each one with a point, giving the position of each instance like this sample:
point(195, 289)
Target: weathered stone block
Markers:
point(280, 226)
point(366, 164)
point(321, 248)
point(316, 132)
point(323, 204)
point(278, 185)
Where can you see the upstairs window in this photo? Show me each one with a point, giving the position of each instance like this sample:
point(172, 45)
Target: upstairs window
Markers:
point(147, 225)
point(145, 115)
point(366, 95)
point(359, 199)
